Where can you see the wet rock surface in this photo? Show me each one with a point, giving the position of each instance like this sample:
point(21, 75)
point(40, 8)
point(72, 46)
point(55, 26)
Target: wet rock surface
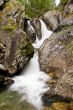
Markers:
point(37, 27)
point(5, 81)
point(33, 29)
point(28, 28)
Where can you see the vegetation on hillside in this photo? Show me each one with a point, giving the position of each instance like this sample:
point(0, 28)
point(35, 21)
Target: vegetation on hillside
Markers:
point(35, 8)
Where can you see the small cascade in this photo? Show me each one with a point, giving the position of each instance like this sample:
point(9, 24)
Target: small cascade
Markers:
point(57, 2)
point(32, 82)
point(45, 34)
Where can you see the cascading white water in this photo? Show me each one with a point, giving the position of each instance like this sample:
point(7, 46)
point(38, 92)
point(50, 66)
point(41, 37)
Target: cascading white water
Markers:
point(57, 2)
point(31, 83)
point(45, 34)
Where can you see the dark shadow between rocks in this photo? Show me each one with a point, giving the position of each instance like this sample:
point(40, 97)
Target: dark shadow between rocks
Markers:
point(48, 101)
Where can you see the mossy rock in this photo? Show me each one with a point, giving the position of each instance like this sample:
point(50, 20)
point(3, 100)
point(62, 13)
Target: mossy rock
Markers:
point(18, 49)
point(56, 53)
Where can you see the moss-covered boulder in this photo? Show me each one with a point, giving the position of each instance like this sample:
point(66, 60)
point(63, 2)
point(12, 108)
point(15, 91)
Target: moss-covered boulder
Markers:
point(37, 27)
point(56, 57)
point(11, 17)
point(56, 53)
point(16, 50)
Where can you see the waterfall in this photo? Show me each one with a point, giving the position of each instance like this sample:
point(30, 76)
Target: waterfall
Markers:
point(32, 82)
point(45, 34)
point(57, 2)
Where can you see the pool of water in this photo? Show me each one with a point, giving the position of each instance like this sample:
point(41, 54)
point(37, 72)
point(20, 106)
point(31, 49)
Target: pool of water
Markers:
point(11, 101)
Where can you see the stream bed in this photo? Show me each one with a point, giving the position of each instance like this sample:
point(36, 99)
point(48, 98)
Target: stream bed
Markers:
point(30, 85)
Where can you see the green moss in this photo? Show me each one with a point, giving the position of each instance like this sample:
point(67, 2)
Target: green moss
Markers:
point(10, 25)
point(11, 101)
point(69, 46)
point(63, 27)
point(8, 28)
point(27, 50)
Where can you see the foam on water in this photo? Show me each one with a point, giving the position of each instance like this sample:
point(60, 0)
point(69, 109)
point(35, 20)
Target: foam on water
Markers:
point(31, 83)
point(45, 34)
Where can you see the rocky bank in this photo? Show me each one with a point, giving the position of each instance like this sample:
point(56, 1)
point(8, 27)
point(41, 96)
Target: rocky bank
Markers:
point(56, 53)
point(15, 47)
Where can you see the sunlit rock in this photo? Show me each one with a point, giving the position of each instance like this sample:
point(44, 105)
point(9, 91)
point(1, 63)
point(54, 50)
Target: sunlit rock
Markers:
point(52, 19)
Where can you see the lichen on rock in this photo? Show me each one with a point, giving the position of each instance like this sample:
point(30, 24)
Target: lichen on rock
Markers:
point(16, 49)
point(56, 59)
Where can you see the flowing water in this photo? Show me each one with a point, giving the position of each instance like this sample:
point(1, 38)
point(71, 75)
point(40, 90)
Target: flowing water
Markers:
point(57, 2)
point(32, 82)
point(28, 88)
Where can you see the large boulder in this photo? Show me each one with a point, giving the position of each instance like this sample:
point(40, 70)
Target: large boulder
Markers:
point(62, 91)
point(64, 86)
point(56, 53)
point(15, 48)
point(52, 19)
point(16, 51)
point(56, 59)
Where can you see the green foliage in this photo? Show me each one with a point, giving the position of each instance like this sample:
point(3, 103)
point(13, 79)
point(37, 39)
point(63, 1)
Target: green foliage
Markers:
point(62, 5)
point(35, 8)
point(12, 101)
point(64, 2)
